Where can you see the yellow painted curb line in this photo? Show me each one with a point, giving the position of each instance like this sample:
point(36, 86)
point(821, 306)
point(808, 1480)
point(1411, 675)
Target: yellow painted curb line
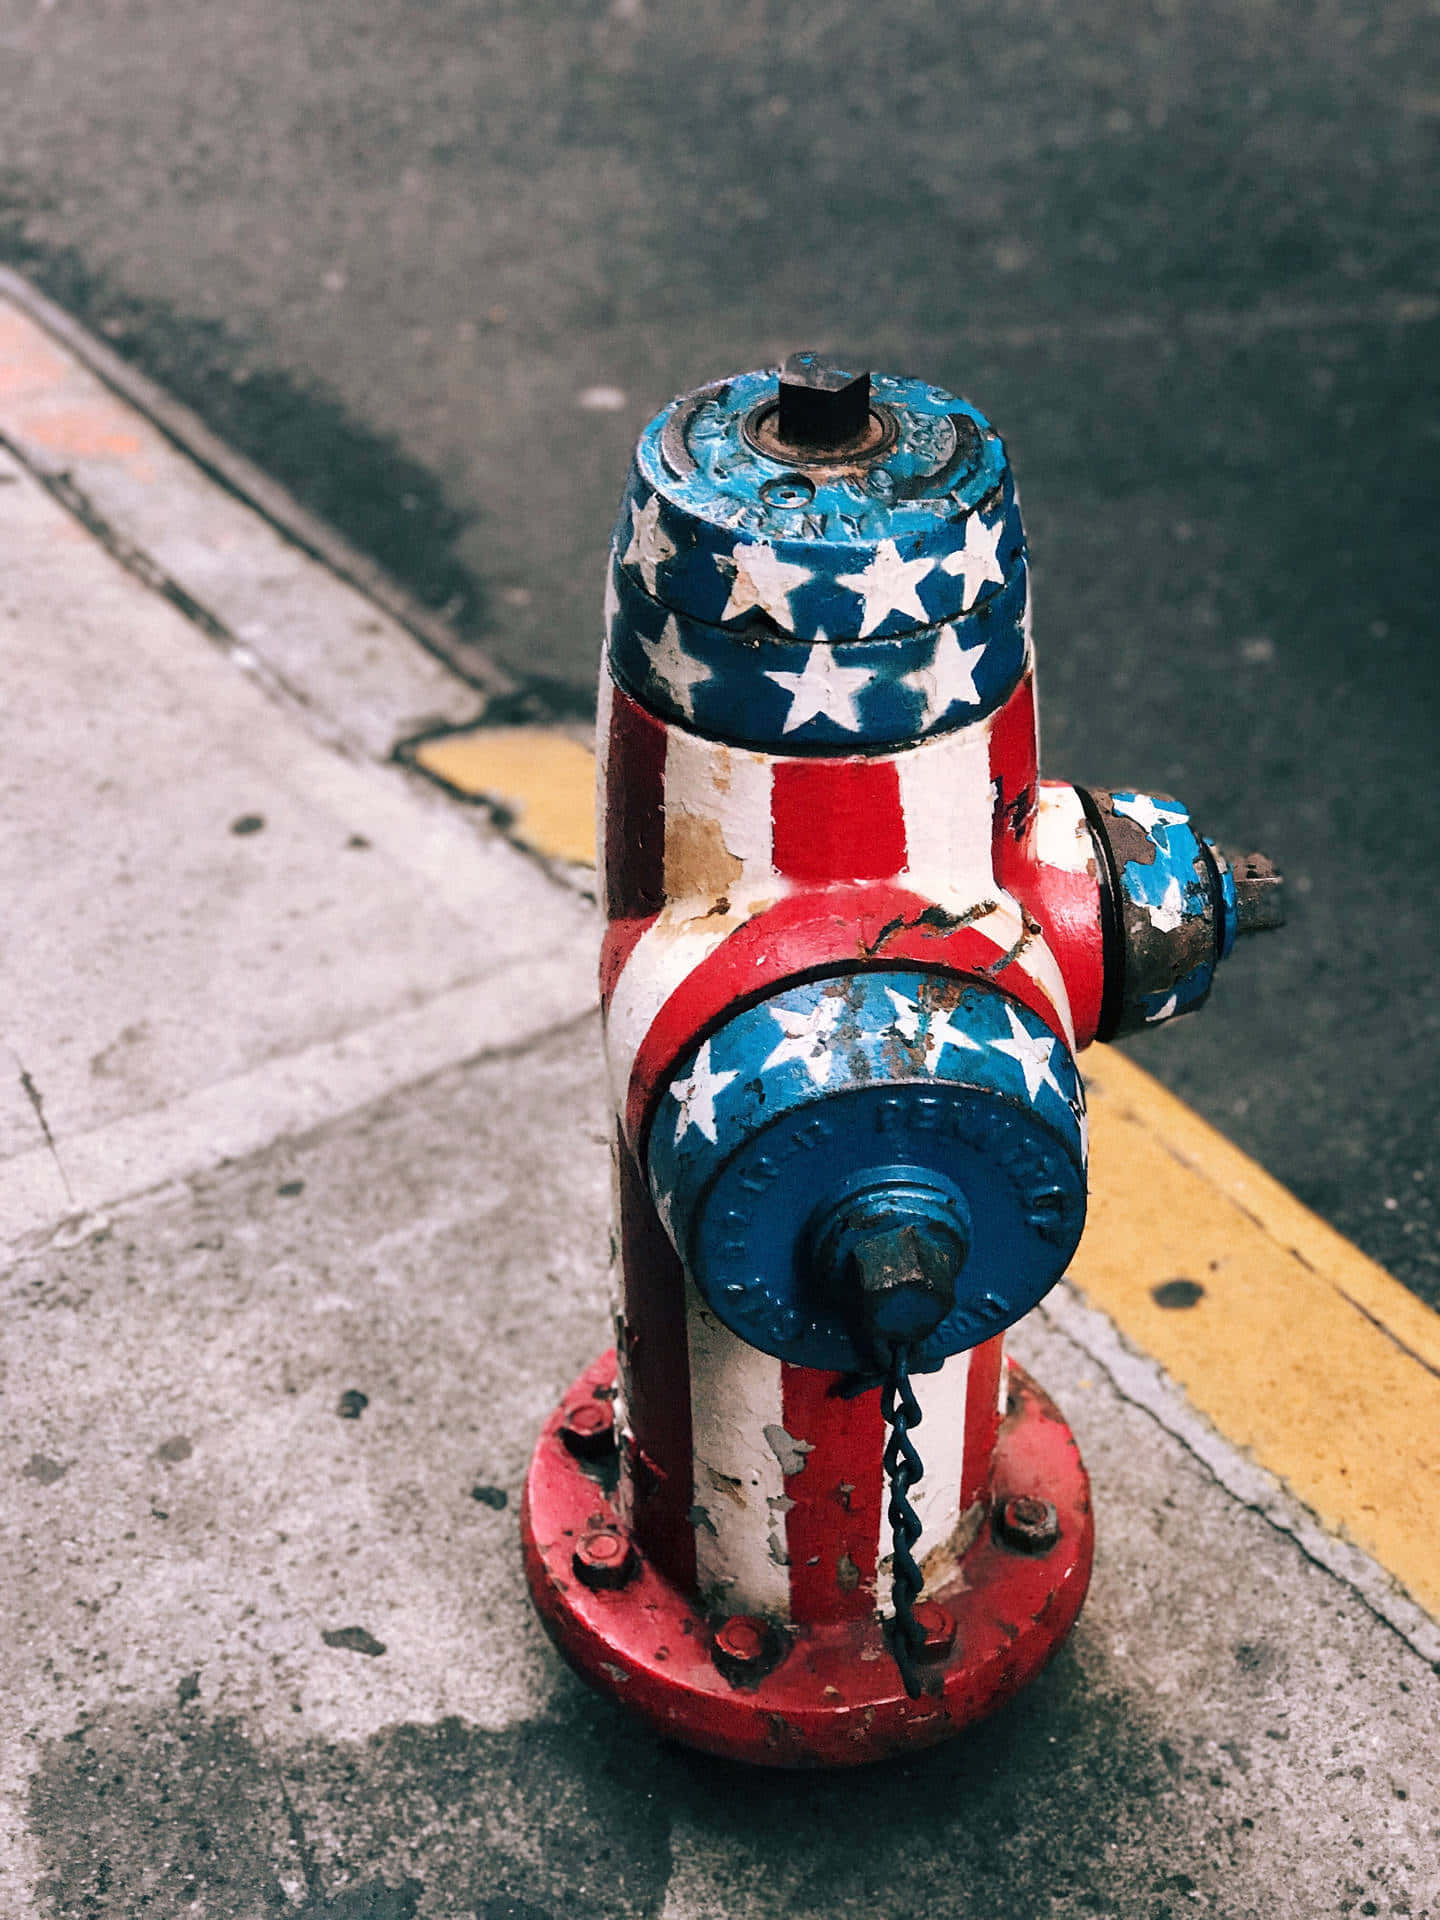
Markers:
point(541, 779)
point(1299, 1349)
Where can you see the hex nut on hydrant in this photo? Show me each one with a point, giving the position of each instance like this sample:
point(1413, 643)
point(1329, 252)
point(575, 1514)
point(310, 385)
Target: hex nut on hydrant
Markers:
point(588, 1430)
point(854, 947)
point(1027, 1523)
point(604, 1559)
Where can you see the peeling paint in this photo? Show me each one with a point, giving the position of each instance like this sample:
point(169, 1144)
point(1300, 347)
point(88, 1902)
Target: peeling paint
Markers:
point(788, 1451)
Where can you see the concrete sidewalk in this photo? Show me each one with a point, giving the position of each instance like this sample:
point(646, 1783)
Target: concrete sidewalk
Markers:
point(303, 1178)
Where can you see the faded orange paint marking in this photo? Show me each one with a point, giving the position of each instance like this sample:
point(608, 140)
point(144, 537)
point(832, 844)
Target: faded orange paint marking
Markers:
point(60, 407)
point(95, 433)
point(29, 361)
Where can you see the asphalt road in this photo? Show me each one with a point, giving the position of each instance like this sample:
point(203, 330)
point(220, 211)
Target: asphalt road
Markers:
point(1184, 257)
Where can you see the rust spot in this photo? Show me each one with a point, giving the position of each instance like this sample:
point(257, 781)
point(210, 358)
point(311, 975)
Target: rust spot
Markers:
point(698, 864)
point(727, 1484)
point(847, 1574)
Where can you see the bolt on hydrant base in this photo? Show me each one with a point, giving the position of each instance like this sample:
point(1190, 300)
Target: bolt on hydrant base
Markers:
point(791, 1694)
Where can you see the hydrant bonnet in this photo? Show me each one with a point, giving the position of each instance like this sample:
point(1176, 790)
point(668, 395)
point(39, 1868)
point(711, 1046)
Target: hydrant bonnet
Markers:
point(946, 1105)
point(911, 545)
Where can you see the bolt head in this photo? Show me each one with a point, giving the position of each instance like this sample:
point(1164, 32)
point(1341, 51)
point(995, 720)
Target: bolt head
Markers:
point(938, 1624)
point(605, 1558)
point(1027, 1523)
point(588, 1430)
point(746, 1647)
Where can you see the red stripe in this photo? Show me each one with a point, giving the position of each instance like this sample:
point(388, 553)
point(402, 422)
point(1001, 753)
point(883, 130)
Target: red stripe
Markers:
point(634, 811)
point(1014, 768)
point(832, 1532)
point(982, 1419)
point(654, 1358)
point(837, 819)
point(845, 926)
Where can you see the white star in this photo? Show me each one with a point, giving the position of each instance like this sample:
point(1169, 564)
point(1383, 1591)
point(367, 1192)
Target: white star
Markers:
point(612, 604)
point(949, 677)
point(888, 585)
point(825, 687)
point(696, 1096)
point(1141, 808)
point(807, 1037)
point(760, 579)
point(650, 546)
point(907, 1016)
point(939, 1033)
point(1034, 1055)
point(977, 560)
point(677, 671)
point(944, 1033)
point(1171, 911)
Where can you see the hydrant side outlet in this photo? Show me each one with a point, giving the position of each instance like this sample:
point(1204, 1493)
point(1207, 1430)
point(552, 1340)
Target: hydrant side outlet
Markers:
point(853, 947)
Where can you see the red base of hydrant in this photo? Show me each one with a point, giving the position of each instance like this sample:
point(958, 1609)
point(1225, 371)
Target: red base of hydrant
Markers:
point(801, 1695)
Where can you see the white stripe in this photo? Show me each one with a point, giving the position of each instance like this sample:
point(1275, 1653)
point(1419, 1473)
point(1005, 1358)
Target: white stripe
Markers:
point(948, 805)
point(719, 872)
point(735, 1393)
point(945, 789)
point(941, 1440)
point(717, 819)
point(1062, 834)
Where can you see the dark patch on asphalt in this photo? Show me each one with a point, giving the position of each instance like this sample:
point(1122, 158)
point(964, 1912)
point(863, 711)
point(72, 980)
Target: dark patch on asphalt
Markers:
point(167, 1814)
point(353, 1640)
point(361, 482)
point(374, 1901)
point(290, 1189)
point(177, 1448)
point(42, 1468)
point(248, 823)
point(352, 1403)
point(188, 1689)
point(1074, 1796)
point(495, 1497)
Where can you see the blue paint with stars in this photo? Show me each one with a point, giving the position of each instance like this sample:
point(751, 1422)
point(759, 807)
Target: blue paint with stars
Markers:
point(718, 684)
point(755, 561)
point(797, 1101)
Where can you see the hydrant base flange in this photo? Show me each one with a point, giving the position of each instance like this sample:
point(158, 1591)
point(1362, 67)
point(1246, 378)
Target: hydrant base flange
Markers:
point(826, 1695)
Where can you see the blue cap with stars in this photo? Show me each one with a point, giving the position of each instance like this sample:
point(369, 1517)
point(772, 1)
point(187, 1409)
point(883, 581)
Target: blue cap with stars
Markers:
point(872, 515)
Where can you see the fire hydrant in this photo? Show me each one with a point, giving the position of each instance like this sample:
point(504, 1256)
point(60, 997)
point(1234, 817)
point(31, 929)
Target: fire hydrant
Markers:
point(806, 1513)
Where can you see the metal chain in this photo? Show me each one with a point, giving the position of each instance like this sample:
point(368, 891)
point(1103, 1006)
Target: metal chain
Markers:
point(903, 1467)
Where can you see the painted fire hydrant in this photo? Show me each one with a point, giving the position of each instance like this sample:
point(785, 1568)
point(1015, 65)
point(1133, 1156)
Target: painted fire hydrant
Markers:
point(806, 1513)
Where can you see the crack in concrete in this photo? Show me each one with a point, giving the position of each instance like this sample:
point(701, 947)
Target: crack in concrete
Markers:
point(33, 1095)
